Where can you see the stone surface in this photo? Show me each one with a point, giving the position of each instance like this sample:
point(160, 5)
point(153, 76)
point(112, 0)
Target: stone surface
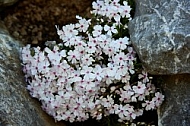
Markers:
point(175, 111)
point(160, 33)
point(5, 3)
point(17, 108)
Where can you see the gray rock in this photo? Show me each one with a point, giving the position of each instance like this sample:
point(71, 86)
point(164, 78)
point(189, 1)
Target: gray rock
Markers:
point(160, 33)
point(175, 111)
point(5, 3)
point(17, 108)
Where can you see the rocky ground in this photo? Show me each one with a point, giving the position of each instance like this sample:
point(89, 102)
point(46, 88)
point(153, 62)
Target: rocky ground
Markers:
point(33, 21)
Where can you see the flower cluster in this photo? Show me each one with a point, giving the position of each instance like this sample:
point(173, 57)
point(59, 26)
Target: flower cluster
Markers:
point(90, 73)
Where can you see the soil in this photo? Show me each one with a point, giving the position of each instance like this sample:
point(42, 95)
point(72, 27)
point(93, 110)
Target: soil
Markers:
point(33, 21)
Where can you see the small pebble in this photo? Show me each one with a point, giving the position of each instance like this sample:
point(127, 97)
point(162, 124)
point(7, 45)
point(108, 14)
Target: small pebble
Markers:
point(16, 34)
point(23, 31)
point(35, 42)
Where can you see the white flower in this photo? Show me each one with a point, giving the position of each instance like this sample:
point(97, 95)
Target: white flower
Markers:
point(131, 68)
point(118, 75)
point(150, 88)
point(105, 10)
point(83, 24)
point(87, 72)
point(140, 88)
point(90, 73)
point(107, 102)
point(91, 47)
point(97, 6)
point(104, 41)
point(98, 71)
point(141, 97)
point(149, 105)
point(120, 44)
point(69, 30)
point(111, 70)
point(92, 39)
point(144, 76)
point(73, 56)
point(26, 54)
point(131, 55)
point(75, 75)
point(122, 111)
point(125, 96)
point(120, 58)
point(86, 60)
point(55, 55)
point(60, 32)
point(97, 30)
point(115, 15)
point(43, 66)
point(123, 70)
point(108, 80)
point(159, 98)
point(125, 78)
point(125, 10)
point(32, 67)
point(110, 29)
point(109, 51)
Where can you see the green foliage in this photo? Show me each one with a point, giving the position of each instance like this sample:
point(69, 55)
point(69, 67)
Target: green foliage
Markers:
point(133, 5)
